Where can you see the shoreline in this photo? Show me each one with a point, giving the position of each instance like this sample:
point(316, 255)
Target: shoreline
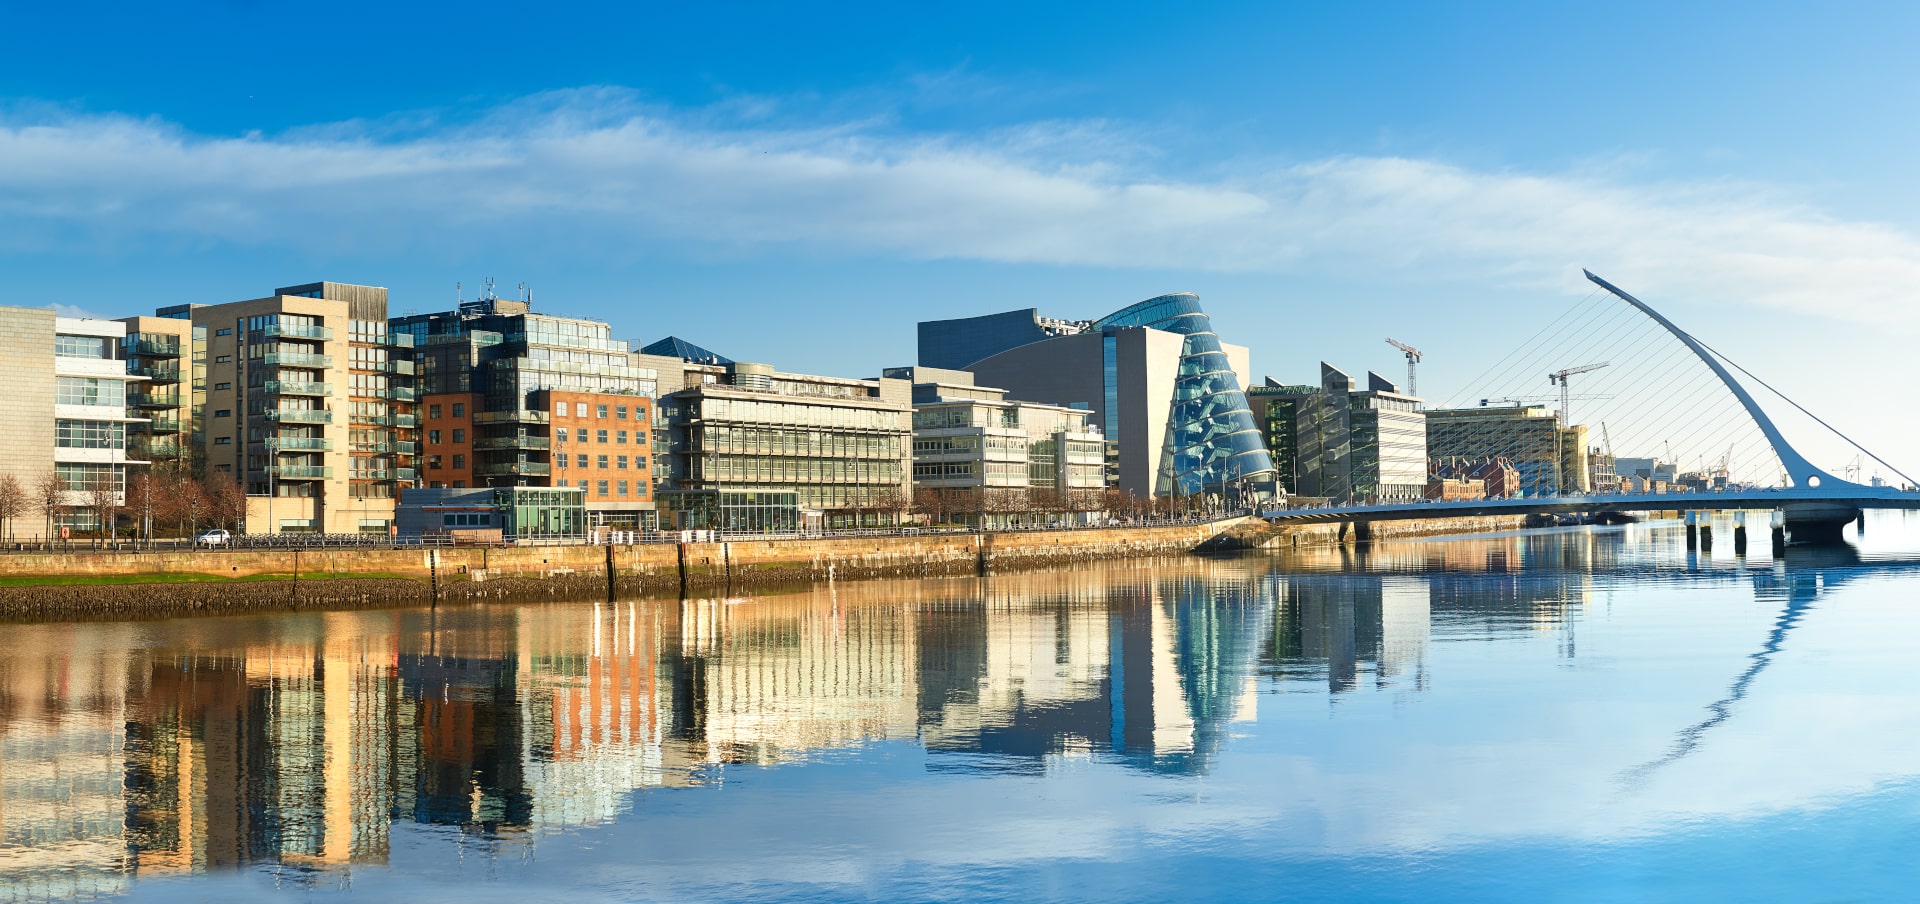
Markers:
point(97, 586)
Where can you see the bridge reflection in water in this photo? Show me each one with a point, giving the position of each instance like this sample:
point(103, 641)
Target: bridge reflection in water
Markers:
point(300, 742)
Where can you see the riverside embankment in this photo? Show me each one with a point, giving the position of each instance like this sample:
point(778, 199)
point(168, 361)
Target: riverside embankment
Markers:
point(103, 584)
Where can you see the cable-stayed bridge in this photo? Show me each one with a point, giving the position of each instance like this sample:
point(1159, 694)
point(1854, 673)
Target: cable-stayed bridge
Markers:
point(1814, 502)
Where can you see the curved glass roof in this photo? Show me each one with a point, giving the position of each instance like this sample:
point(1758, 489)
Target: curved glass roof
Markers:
point(1212, 438)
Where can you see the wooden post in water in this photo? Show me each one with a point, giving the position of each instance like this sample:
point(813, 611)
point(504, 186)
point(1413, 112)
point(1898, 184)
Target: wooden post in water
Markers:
point(609, 572)
point(682, 546)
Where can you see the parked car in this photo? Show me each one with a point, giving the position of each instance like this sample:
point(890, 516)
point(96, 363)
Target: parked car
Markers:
point(215, 537)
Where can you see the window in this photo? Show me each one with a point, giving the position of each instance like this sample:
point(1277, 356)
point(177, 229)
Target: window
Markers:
point(223, 331)
point(223, 412)
point(223, 440)
point(639, 462)
point(223, 359)
point(459, 484)
point(622, 486)
point(601, 461)
point(459, 435)
point(580, 409)
point(601, 435)
point(75, 476)
point(559, 409)
point(433, 462)
point(560, 434)
point(581, 485)
point(620, 462)
point(433, 436)
point(600, 411)
point(433, 411)
point(601, 487)
point(90, 435)
point(459, 461)
point(90, 391)
point(620, 438)
point(222, 387)
point(620, 412)
point(79, 347)
point(459, 409)
point(467, 519)
point(582, 461)
point(562, 460)
point(639, 437)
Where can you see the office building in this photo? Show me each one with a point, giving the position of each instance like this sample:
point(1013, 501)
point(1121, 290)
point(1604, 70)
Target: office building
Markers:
point(1164, 390)
point(1343, 444)
point(517, 398)
point(493, 513)
point(1550, 459)
point(751, 448)
point(979, 458)
point(308, 405)
point(66, 416)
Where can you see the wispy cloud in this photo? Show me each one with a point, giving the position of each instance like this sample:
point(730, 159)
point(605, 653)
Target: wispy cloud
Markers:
point(594, 172)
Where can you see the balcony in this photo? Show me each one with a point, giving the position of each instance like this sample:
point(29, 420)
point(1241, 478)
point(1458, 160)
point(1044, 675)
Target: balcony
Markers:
point(302, 472)
point(513, 469)
point(160, 425)
point(296, 359)
point(405, 474)
point(302, 443)
point(513, 442)
point(372, 474)
point(158, 373)
point(400, 340)
point(404, 420)
point(300, 416)
point(153, 400)
point(297, 331)
point(153, 348)
point(402, 368)
point(403, 393)
point(510, 417)
point(405, 447)
point(296, 387)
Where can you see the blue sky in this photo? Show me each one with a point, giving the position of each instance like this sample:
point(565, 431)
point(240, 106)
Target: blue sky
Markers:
point(800, 186)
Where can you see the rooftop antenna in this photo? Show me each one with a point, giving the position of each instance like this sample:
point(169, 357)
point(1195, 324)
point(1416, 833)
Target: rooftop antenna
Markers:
point(1413, 357)
point(487, 294)
point(525, 294)
point(459, 294)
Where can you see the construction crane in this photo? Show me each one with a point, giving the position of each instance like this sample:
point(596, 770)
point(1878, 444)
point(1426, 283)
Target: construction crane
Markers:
point(1413, 357)
point(1560, 377)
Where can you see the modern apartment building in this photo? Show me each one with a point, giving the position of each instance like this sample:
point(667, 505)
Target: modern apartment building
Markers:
point(988, 460)
point(1550, 459)
point(309, 405)
point(66, 415)
point(1344, 444)
point(1165, 391)
point(171, 353)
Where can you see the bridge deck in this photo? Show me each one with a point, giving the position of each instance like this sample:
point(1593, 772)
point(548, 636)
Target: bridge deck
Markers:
point(1852, 495)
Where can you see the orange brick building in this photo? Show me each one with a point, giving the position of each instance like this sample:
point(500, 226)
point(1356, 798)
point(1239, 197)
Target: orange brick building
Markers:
point(446, 439)
point(603, 443)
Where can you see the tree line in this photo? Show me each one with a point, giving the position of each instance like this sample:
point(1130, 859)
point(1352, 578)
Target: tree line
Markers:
point(170, 498)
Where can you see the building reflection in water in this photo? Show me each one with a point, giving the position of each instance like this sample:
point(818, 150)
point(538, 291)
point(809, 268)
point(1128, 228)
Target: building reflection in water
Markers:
point(294, 742)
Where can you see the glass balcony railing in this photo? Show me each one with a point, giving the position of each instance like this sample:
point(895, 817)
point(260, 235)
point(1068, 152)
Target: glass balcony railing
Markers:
point(296, 359)
point(404, 420)
point(403, 393)
point(513, 442)
point(153, 348)
point(403, 368)
point(405, 447)
point(405, 474)
point(514, 469)
point(158, 373)
point(153, 400)
point(160, 425)
point(300, 416)
point(303, 444)
point(523, 416)
point(297, 387)
point(297, 331)
point(373, 474)
point(400, 340)
point(302, 472)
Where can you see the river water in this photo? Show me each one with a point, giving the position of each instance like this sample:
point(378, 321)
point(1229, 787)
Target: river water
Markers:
point(1577, 714)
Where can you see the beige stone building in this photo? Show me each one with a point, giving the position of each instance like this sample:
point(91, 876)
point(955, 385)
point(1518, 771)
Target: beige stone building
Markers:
point(309, 405)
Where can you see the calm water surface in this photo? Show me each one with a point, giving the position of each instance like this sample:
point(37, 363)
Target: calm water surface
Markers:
point(1575, 714)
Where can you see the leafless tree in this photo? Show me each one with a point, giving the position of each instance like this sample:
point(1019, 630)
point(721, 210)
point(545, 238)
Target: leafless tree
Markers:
point(50, 492)
point(224, 503)
point(13, 502)
point(103, 500)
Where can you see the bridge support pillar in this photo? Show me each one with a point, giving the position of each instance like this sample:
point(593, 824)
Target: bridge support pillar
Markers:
point(1818, 523)
point(1740, 533)
point(1706, 537)
point(1693, 533)
point(1362, 533)
point(1779, 533)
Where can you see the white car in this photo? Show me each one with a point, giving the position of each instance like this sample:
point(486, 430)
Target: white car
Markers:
point(214, 537)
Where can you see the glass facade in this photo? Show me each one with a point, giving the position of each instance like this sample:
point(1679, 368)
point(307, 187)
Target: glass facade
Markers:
point(1212, 439)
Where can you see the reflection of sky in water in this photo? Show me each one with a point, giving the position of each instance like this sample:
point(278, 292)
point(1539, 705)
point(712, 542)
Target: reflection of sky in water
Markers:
point(1593, 714)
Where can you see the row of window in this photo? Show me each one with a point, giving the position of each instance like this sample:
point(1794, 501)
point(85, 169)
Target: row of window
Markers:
point(459, 410)
point(90, 391)
point(80, 346)
point(600, 436)
point(620, 461)
point(467, 519)
point(600, 411)
point(754, 412)
point(90, 435)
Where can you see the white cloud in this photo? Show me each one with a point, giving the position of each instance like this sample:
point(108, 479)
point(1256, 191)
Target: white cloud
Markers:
point(593, 172)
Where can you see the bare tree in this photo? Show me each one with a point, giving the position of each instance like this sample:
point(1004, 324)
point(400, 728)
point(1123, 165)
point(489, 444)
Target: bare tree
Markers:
point(103, 500)
point(931, 504)
point(13, 502)
point(224, 504)
point(50, 491)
